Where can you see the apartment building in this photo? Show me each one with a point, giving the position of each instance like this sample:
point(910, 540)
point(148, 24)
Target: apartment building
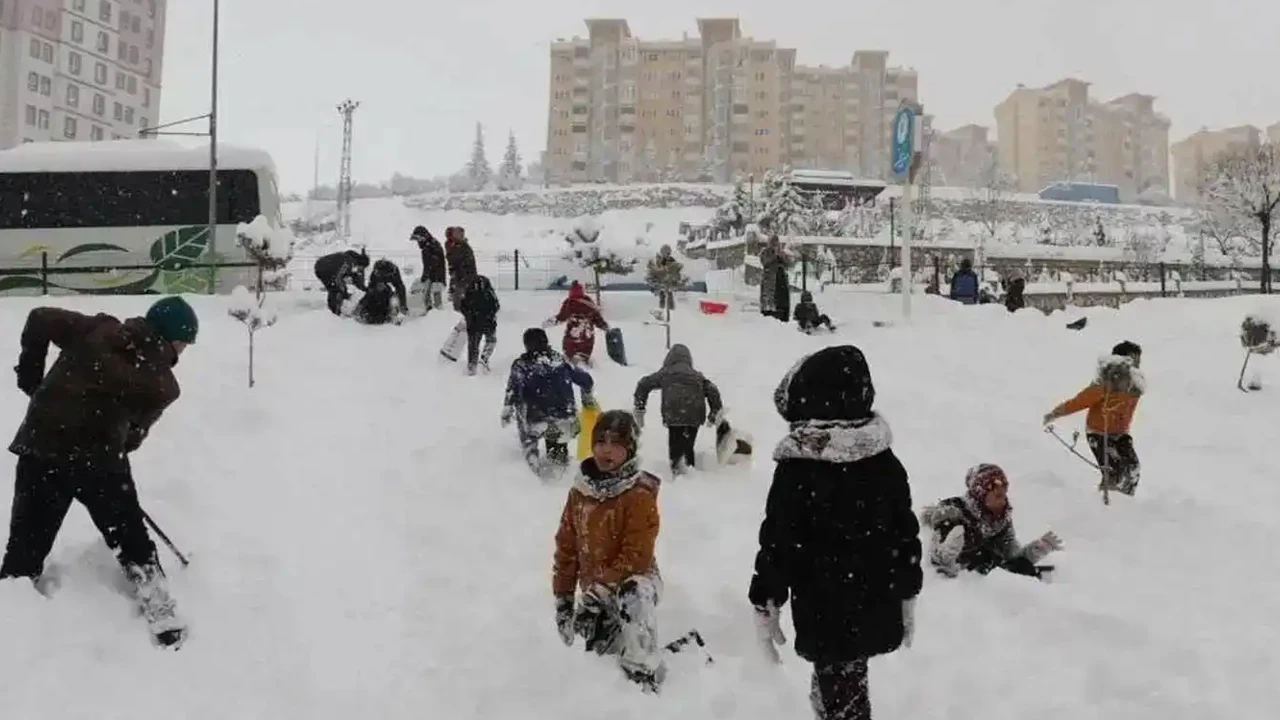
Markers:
point(79, 70)
point(719, 105)
point(1273, 133)
point(1131, 146)
point(1193, 153)
point(963, 157)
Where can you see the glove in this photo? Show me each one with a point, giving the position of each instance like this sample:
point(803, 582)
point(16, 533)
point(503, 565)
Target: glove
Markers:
point(564, 618)
point(134, 439)
point(1047, 543)
point(769, 632)
point(908, 621)
point(589, 402)
point(508, 412)
point(638, 414)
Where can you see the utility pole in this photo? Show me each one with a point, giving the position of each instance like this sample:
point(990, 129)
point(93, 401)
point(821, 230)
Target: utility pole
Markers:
point(213, 157)
point(347, 109)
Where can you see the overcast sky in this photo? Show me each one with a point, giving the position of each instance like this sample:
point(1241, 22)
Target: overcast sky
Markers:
point(425, 72)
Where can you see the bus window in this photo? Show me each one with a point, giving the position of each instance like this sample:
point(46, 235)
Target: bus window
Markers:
point(124, 199)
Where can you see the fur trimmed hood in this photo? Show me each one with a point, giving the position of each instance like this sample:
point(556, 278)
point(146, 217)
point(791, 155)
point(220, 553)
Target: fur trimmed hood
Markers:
point(1119, 374)
point(839, 441)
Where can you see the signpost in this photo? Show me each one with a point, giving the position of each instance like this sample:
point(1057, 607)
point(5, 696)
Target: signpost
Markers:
point(904, 155)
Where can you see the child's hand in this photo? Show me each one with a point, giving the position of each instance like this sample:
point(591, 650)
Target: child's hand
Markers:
point(1048, 418)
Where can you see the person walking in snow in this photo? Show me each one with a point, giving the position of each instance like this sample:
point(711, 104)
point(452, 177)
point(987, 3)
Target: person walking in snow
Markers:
point(539, 398)
point(686, 396)
point(1111, 399)
point(111, 382)
point(385, 300)
point(809, 317)
point(605, 547)
point(336, 270)
point(964, 284)
point(839, 538)
point(479, 307)
point(462, 268)
point(975, 532)
point(581, 317)
point(434, 271)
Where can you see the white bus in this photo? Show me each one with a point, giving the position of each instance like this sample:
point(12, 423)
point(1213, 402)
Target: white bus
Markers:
point(127, 217)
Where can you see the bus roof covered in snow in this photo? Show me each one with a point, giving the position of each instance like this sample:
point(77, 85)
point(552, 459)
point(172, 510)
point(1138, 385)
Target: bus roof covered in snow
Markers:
point(127, 156)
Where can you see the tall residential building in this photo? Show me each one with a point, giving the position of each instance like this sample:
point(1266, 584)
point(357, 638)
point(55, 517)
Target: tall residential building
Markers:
point(717, 105)
point(1273, 133)
point(1193, 153)
point(963, 157)
point(79, 69)
point(1057, 133)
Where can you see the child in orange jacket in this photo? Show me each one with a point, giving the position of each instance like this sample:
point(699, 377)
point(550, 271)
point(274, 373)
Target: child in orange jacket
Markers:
point(1112, 399)
point(605, 547)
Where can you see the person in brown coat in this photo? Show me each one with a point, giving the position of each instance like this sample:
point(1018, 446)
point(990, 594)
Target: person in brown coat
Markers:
point(605, 547)
point(110, 384)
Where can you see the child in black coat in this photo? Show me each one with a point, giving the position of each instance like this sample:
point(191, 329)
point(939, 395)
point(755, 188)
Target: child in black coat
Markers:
point(479, 306)
point(839, 538)
point(808, 317)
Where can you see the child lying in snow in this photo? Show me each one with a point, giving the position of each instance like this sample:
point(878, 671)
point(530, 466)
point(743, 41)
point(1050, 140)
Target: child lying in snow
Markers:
point(975, 531)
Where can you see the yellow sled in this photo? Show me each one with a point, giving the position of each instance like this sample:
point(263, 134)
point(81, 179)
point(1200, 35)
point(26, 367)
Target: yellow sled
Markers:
point(587, 419)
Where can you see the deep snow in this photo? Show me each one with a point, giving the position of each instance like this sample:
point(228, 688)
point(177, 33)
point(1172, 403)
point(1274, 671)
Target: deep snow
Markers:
point(366, 541)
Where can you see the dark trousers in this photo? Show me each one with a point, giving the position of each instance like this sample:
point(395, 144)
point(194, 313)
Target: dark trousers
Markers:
point(557, 447)
point(1117, 460)
point(680, 441)
point(474, 354)
point(42, 495)
point(839, 691)
point(337, 295)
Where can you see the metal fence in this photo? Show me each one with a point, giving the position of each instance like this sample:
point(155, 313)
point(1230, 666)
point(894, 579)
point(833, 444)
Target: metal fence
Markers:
point(34, 274)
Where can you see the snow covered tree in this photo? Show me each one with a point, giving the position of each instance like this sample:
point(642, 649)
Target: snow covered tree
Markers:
point(1258, 335)
point(255, 313)
point(272, 248)
point(584, 249)
point(744, 202)
point(665, 275)
point(1244, 185)
point(784, 208)
point(509, 172)
point(478, 171)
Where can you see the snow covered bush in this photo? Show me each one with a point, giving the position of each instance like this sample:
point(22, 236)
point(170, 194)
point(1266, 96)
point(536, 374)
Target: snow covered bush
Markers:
point(585, 250)
point(270, 247)
point(255, 313)
point(1258, 333)
point(577, 201)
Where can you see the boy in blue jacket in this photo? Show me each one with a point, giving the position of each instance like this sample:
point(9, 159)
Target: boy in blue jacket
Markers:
point(540, 399)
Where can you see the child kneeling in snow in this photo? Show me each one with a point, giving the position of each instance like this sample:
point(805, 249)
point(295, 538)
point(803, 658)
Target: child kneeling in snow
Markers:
point(605, 546)
point(975, 531)
point(1112, 399)
point(809, 317)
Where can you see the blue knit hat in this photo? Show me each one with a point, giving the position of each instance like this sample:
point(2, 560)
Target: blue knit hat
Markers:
point(174, 320)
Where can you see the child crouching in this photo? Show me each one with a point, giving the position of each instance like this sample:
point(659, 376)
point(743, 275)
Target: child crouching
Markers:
point(605, 547)
point(975, 531)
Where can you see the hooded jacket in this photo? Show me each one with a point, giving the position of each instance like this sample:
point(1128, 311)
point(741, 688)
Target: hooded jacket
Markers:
point(336, 269)
point(581, 317)
point(686, 393)
point(433, 262)
point(608, 529)
point(111, 382)
point(1112, 398)
point(839, 539)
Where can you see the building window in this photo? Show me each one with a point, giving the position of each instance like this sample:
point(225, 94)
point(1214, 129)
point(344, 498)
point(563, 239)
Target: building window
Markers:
point(133, 85)
point(96, 133)
point(37, 16)
point(104, 43)
point(122, 51)
point(124, 20)
point(142, 123)
point(118, 112)
point(73, 96)
point(46, 86)
point(31, 115)
point(35, 47)
point(133, 54)
point(120, 82)
point(77, 31)
point(146, 97)
point(69, 128)
point(99, 104)
point(50, 20)
point(136, 24)
point(128, 115)
point(151, 8)
point(151, 38)
point(77, 5)
point(100, 73)
point(33, 82)
point(75, 63)
point(43, 121)
point(104, 11)
point(46, 53)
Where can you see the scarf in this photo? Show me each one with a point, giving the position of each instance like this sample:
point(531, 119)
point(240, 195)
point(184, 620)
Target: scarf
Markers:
point(835, 441)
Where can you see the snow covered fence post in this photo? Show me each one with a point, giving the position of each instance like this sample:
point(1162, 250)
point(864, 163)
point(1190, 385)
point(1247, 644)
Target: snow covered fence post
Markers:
point(255, 313)
point(271, 248)
point(1258, 335)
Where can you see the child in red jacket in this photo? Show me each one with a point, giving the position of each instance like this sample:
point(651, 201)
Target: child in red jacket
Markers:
point(582, 317)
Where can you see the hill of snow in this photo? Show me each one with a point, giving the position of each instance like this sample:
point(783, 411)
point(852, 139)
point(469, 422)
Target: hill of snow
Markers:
point(367, 541)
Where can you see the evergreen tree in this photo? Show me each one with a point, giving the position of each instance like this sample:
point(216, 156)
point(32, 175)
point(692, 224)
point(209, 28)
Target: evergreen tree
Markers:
point(784, 208)
point(509, 172)
point(744, 203)
point(479, 173)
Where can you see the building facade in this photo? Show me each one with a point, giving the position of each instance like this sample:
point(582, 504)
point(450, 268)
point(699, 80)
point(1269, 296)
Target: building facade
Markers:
point(964, 157)
point(79, 70)
point(1058, 133)
point(716, 106)
point(1193, 154)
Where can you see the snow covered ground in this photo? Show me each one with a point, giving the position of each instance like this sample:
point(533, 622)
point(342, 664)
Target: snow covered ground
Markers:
point(366, 541)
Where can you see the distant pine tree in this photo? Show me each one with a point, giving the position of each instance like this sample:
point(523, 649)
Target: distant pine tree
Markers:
point(509, 172)
point(478, 170)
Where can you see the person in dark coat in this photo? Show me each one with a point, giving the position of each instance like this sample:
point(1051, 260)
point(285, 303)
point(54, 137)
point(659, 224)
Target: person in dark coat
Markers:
point(1014, 298)
point(335, 270)
point(964, 284)
point(386, 299)
point(111, 382)
point(686, 396)
point(539, 398)
point(479, 307)
point(434, 271)
point(809, 317)
point(461, 261)
point(839, 538)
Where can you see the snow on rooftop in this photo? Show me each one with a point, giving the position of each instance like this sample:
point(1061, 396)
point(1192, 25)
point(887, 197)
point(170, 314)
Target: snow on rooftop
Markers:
point(128, 155)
